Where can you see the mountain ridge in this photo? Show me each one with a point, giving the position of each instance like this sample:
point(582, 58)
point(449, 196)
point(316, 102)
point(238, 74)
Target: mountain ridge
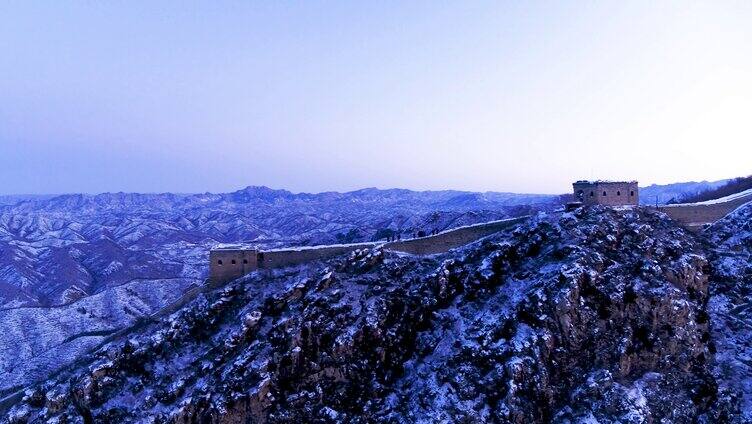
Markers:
point(597, 314)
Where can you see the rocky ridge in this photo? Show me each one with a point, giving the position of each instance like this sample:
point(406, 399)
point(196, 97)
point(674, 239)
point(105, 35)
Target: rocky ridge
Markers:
point(730, 243)
point(75, 269)
point(599, 315)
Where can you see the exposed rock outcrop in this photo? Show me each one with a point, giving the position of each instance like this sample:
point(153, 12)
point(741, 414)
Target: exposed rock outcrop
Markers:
point(730, 307)
point(593, 315)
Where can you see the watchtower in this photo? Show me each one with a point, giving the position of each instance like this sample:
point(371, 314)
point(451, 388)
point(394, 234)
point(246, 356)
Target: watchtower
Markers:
point(609, 193)
point(227, 264)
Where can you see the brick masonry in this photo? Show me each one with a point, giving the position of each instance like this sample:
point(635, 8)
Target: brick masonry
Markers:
point(238, 262)
point(609, 193)
point(451, 239)
point(296, 256)
point(229, 264)
point(696, 215)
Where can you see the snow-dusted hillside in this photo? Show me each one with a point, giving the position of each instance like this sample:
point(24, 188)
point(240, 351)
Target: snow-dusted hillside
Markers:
point(76, 269)
point(597, 315)
point(56, 250)
point(730, 306)
point(661, 194)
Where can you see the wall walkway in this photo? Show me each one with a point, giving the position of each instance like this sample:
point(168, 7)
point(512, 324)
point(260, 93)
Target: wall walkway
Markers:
point(233, 265)
point(451, 239)
point(694, 215)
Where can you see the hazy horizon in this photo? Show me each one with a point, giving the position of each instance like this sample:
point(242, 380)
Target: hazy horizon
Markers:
point(478, 96)
point(324, 191)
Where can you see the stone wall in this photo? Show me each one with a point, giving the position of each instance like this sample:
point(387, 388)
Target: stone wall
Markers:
point(236, 263)
point(451, 239)
point(696, 215)
point(297, 256)
point(229, 264)
point(607, 193)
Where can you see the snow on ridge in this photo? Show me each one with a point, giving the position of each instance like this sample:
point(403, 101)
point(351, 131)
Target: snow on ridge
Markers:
point(248, 246)
point(730, 197)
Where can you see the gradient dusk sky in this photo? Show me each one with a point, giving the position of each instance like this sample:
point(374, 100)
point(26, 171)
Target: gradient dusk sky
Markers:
point(315, 96)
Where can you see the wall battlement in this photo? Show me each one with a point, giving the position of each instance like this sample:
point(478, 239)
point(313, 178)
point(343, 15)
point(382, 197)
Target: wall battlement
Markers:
point(695, 215)
point(447, 240)
point(227, 264)
point(608, 193)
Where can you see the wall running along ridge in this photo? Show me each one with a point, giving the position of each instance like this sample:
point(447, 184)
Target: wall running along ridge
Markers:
point(249, 260)
point(697, 214)
point(236, 263)
point(226, 264)
point(451, 239)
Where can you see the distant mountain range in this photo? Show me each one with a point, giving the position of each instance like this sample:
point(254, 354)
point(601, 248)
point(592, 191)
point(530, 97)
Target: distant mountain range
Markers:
point(662, 194)
point(75, 269)
point(592, 316)
point(57, 249)
point(12, 199)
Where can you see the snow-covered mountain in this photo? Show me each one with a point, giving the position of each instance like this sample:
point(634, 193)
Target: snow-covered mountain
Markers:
point(597, 315)
point(662, 194)
point(84, 273)
point(77, 269)
point(12, 199)
point(56, 250)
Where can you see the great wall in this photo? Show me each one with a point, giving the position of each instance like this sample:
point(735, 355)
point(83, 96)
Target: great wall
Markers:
point(231, 262)
point(695, 215)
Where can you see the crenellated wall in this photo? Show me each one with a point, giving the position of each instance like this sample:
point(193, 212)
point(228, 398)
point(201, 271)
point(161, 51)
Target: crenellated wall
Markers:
point(608, 193)
point(451, 239)
point(697, 214)
point(236, 263)
point(229, 264)
point(296, 256)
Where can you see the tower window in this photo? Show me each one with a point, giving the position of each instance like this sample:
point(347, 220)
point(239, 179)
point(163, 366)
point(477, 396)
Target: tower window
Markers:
point(604, 193)
point(233, 262)
point(618, 193)
point(592, 194)
point(245, 261)
point(631, 193)
point(219, 262)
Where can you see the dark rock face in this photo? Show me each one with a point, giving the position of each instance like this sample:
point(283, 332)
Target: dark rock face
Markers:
point(730, 308)
point(591, 316)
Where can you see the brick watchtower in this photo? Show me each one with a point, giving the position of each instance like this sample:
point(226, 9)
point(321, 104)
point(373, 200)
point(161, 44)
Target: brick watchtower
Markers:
point(609, 193)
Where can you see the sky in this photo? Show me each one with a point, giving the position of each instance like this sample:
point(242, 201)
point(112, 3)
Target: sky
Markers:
point(317, 96)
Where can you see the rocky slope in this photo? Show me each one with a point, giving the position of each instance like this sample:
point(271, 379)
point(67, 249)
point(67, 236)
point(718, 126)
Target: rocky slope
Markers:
point(76, 269)
point(592, 316)
point(730, 240)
